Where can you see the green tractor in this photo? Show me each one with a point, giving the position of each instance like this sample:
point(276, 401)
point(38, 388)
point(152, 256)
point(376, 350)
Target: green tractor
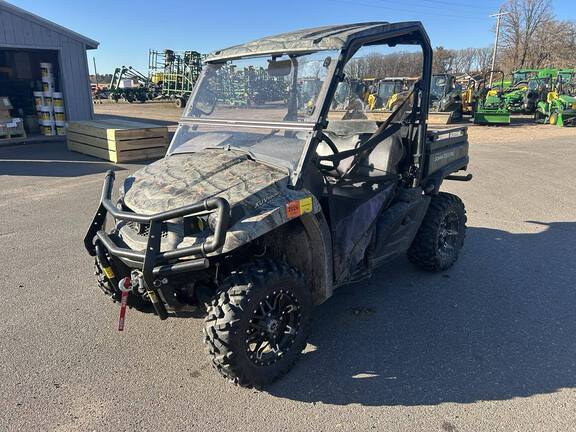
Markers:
point(537, 90)
point(567, 76)
point(526, 88)
point(523, 75)
point(514, 97)
point(559, 107)
point(491, 107)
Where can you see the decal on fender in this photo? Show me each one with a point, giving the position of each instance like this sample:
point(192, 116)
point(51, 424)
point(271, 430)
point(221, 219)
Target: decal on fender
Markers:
point(299, 207)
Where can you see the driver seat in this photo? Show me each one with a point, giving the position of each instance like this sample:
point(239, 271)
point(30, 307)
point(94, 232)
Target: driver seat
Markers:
point(350, 134)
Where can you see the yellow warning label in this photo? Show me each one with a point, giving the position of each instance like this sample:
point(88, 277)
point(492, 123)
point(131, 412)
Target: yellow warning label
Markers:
point(108, 272)
point(299, 207)
point(306, 205)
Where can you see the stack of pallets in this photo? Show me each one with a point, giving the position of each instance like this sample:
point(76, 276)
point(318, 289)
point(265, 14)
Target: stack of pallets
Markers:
point(118, 140)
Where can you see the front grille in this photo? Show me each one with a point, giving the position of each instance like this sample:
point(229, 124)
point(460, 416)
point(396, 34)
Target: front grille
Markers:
point(144, 229)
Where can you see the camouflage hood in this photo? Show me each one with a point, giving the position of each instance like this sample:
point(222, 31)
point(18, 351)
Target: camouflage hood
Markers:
point(188, 178)
point(257, 193)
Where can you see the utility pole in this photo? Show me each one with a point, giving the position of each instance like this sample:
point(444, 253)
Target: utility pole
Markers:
point(95, 72)
point(97, 92)
point(497, 16)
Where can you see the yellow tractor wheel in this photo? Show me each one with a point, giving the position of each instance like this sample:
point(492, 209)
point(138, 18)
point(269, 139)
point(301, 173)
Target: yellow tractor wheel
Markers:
point(553, 118)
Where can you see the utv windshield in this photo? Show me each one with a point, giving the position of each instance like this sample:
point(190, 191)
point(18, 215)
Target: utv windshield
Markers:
point(264, 106)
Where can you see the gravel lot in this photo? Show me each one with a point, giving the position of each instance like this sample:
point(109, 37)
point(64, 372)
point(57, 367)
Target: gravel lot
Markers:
point(486, 346)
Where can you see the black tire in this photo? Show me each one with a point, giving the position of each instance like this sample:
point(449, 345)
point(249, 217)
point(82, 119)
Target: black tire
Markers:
point(233, 323)
point(179, 102)
point(436, 247)
point(538, 117)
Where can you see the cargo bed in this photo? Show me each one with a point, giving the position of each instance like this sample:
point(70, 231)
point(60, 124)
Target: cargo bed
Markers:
point(446, 153)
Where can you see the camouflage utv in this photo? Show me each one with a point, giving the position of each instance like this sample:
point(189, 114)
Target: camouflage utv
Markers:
point(261, 209)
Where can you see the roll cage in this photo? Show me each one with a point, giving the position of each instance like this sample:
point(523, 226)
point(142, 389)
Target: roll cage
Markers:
point(354, 37)
point(393, 34)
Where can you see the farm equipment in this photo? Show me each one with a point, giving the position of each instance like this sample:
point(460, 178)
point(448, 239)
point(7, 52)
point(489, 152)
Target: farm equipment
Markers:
point(522, 76)
point(491, 106)
point(514, 97)
point(469, 85)
point(529, 86)
point(350, 91)
point(253, 85)
point(445, 99)
point(537, 90)
point(138, 90)
point(390, 92)
point(559, 107)
point(174, 73)
point(259, 211)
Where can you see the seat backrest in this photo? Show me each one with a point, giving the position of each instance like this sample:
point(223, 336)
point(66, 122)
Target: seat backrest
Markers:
point(349, 134)
point(384, 158)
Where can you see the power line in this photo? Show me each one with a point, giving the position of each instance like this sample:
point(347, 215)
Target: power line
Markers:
point(474, 18)
point(446, 3)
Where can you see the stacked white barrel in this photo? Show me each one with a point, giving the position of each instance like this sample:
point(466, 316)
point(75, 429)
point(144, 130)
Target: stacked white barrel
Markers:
point(50, 104)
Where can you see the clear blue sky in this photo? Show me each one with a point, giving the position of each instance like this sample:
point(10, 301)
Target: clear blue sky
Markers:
point(127, 29)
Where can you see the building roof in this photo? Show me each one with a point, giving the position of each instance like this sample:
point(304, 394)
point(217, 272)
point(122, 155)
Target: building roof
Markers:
point(307, 40)
point(90, 43)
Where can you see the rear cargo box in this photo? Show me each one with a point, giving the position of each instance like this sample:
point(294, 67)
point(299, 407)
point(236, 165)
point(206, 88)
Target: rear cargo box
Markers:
point(446, 151)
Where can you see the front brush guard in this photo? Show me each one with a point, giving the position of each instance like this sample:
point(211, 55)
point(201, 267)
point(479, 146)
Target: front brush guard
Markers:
point(154, 262)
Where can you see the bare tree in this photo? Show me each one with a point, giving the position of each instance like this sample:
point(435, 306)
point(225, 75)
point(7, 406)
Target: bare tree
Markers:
point(376, 65)
point(520, 28)
point(443, 60)
point(483, 59)
point(554, 45)
point(464, 60)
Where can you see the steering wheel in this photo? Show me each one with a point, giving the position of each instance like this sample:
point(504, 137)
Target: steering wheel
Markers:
point(328, 169)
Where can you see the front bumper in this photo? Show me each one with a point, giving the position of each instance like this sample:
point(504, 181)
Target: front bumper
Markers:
point(154, 262)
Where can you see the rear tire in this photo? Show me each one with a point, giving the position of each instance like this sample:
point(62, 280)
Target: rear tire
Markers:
point(441, 236)
point(179, 102)
point(257, 326)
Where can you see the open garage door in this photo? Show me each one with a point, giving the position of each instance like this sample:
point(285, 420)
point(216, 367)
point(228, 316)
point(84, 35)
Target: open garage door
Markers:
point(31, 101)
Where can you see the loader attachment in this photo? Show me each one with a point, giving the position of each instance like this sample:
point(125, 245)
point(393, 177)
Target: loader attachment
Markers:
point(487, 117)
point(441, 117)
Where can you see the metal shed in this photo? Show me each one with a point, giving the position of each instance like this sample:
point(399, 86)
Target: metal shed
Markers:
point(25, 41)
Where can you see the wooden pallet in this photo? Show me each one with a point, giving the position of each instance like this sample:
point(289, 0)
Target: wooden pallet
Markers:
point(12, 132)
point(117, 140)
point(12, 135)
